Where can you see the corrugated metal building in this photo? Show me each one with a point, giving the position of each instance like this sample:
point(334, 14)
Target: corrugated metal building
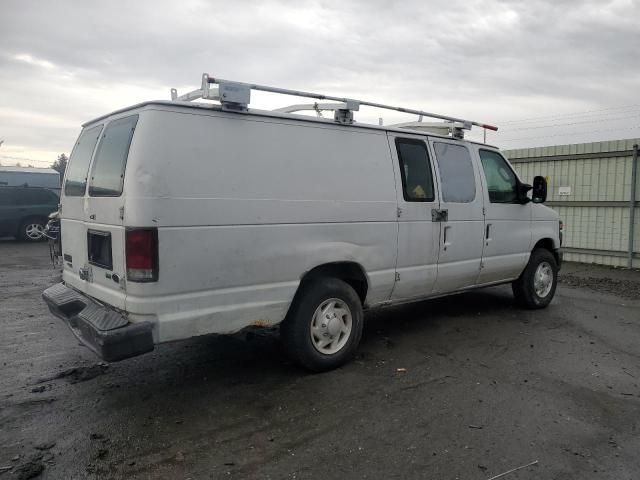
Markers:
point(590, 185)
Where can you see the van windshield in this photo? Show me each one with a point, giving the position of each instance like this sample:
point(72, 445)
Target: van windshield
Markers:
point(76, 182)
point(107, 173)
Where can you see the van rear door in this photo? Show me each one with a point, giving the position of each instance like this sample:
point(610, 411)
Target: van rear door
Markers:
point(73, 200)
point(93, 234)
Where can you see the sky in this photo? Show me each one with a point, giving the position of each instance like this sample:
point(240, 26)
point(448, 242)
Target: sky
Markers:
point(546, 72)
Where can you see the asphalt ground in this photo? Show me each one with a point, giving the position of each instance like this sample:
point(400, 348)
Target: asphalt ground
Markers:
point(463, 387)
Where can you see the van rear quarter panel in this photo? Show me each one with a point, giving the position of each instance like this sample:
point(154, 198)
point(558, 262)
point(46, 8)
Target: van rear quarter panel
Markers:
point(245, 205)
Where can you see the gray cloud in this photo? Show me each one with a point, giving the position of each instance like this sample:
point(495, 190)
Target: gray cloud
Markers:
point(64, 62)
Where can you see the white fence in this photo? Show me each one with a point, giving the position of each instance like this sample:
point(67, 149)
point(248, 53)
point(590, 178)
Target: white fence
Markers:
point(595, 188)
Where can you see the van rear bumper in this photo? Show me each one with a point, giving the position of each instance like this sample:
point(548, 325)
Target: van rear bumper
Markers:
point(104, 331)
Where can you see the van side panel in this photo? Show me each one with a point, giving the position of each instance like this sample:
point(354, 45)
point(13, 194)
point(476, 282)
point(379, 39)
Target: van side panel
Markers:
point(544, 225)
point(246, 205)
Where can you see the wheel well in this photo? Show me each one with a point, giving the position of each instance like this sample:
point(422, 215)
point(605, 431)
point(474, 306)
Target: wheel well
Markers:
point(24, 220)
point(349, 272)
point(547, 244)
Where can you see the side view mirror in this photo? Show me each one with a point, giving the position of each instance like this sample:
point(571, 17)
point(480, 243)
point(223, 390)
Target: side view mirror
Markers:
point(539, 194)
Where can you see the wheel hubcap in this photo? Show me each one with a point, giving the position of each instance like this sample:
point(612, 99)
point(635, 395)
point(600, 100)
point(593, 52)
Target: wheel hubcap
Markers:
point(543, 279)
point(331, 326)
point(34, 231)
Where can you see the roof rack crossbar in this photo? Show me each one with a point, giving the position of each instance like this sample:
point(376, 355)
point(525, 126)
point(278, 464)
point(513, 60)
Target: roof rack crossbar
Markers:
point(312, 106)
point(236, 95)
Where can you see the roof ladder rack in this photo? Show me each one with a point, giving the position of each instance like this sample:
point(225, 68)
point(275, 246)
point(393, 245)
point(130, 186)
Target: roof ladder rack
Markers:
point(236, 96)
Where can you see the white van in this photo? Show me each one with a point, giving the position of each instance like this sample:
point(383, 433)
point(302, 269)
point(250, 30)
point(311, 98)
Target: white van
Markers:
point(181, 219)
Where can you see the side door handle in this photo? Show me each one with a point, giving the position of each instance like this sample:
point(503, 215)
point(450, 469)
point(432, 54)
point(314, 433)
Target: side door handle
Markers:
point(488, 233)
point(446, 237)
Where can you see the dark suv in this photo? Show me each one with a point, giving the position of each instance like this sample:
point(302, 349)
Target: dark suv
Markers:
point(24, 211)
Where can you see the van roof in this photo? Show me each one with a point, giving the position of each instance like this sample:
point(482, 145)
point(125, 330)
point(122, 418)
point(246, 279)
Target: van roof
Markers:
point(207, 107)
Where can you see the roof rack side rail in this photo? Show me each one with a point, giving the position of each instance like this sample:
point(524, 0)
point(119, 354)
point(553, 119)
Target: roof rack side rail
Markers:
point(236, 96)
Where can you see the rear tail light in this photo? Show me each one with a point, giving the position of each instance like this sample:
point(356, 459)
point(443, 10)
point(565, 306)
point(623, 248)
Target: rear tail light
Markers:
point(142, 254)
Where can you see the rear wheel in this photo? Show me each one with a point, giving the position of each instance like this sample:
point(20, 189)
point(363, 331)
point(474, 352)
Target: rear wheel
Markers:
point(537, 285)
point(324, 325)
point(32, 230)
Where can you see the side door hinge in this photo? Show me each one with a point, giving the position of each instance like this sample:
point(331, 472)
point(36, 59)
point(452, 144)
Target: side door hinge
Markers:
point(439, 215)
point(399, 212)
point(484, 212)
point(85, 273)
point(397, 277)
point(122, 213)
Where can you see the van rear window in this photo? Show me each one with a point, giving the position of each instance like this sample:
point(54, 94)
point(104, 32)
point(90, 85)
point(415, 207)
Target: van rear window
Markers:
point(76, 182)
point(107, 173)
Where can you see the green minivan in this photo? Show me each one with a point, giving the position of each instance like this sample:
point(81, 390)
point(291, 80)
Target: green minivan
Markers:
point(24, 211)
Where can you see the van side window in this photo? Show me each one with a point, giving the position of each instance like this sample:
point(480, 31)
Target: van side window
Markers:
point(456, 173)
point(107, 173)
point(76, 182)
point(417, 179)
point(501, 181)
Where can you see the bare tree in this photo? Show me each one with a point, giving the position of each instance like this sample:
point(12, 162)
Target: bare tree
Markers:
point(60, 165)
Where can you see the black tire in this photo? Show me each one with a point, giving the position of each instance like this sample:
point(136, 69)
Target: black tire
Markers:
point(524, 289)
point(26, 229)
point(296, 329)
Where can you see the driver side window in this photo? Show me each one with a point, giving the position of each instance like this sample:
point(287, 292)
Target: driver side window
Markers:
point(501, 181)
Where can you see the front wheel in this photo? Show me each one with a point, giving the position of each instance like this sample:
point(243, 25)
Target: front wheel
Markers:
point(537, 284)
point(324, 325)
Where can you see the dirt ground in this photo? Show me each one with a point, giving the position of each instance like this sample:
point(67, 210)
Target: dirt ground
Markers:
point(483, 387)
